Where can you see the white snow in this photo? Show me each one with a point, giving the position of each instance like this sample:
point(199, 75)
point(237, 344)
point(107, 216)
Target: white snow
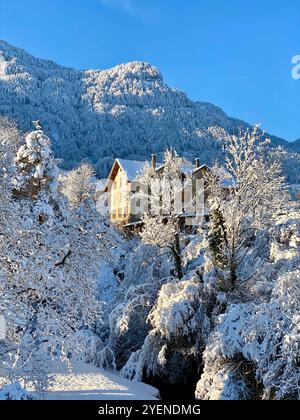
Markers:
point(132, 168)
point(86, 382)
point(3, 64)
point(2, 327)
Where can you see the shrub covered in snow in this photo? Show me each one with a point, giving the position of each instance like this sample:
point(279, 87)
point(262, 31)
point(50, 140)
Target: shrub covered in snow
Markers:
point(15, 392)
point(259, 345)
point(171, 352)
point(83, 345)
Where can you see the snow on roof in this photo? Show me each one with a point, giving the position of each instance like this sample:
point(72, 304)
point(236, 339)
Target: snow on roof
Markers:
point(132, 168)
point(199, 167)
point(186, 169)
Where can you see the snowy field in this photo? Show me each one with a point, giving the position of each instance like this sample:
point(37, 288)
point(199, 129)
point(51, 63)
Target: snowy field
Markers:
point(86, 382)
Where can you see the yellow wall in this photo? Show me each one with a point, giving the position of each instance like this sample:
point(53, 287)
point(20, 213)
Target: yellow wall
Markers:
point(119, 198)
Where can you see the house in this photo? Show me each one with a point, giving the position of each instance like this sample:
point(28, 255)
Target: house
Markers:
point(122, 183)
point(123, 186)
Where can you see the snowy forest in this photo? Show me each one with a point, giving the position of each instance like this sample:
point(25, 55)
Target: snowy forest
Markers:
point(211, 315)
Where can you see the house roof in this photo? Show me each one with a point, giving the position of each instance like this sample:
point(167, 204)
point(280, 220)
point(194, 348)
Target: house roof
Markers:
point(187, 169)
point(132, 168)
point(199, 168)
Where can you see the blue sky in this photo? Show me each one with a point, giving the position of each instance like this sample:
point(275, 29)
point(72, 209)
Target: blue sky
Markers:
point(236, 54)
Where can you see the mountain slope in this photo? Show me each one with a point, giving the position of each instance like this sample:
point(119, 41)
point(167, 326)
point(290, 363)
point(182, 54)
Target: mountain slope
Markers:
point(296, 146)
point(127, 111)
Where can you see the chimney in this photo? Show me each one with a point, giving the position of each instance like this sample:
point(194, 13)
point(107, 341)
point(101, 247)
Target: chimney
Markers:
point(197, 163)
point(154, 161)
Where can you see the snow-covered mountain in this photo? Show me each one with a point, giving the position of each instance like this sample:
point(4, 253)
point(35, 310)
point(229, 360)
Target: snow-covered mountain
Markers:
point(127, 111)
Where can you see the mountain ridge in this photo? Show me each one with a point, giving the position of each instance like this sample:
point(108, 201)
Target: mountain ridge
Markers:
point(296, 145)
point(126, 111)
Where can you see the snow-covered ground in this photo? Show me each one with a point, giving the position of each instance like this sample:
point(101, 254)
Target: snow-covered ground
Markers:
point(86, 382)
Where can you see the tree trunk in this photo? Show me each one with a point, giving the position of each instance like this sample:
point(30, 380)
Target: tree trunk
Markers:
point(177, 257)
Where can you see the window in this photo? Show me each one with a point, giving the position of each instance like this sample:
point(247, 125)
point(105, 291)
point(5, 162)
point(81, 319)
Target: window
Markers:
point(138, 200)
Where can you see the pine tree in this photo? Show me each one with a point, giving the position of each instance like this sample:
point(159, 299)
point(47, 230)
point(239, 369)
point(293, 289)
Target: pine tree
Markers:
point(36, 167)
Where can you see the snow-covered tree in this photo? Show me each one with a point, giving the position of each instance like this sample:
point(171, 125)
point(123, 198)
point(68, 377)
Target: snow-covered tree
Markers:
point(10, 136)
point(128, 289)
point(171, 354)
point(36, 167)
point(165, 187)
point(50, 257)
point(244, 200)
point(254, 352)
point(78, 185)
